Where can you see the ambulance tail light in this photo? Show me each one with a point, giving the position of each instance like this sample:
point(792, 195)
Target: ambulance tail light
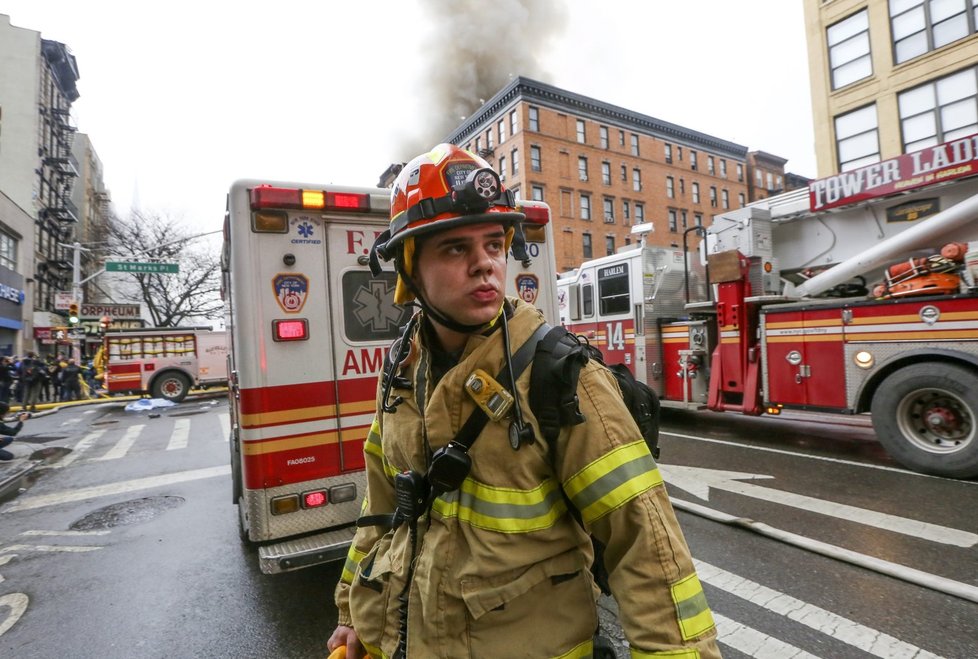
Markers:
point(266, 197)
point(290, 330)
point(314, 499)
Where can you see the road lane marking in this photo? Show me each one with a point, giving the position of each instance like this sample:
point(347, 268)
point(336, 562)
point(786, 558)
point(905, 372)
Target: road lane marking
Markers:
point(49, 548)
point(122, 446)
point(754, 643)
point(180, 435)
point(698, 481)
point(17, 603)
point(225, 420)
point(80, 494)
point(65, 533)
point(838, 627)
point(82, 446)
point(796, 454)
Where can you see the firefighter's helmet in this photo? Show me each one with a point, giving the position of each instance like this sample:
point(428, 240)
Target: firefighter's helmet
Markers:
point(438, 190)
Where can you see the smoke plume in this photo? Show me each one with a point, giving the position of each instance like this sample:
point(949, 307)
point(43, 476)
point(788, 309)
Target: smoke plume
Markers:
point(474, 49)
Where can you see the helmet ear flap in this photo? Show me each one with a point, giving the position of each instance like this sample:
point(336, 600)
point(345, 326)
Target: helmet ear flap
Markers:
point(379, 251)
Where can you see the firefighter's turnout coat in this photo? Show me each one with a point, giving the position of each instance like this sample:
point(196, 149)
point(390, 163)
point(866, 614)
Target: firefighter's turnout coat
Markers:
point(501, 565)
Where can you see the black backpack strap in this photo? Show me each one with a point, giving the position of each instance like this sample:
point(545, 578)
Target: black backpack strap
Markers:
point(553, 381)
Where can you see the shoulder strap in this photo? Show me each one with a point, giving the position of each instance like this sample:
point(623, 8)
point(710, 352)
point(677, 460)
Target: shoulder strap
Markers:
point(553, 381)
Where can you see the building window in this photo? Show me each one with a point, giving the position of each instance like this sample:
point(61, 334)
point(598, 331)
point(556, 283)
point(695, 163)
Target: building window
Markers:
point(725, 198)
point(639, 213)
point(514, 122)
point(587, 245)
point(740, 172)
point(919, 26)
point(489, 144)
point(857, 138)
point(939, 111)
point(502, 168)
point(609, 210)
point(478, 144)
point(535, 163)
point(625, 211)
point(501, 126)
point(603, 133)
point(609, 245)
point(758, 177)
point(777, 183)
point(698, 218)
point(624, 173)
point(8, 251)
point(585, 206)
point(682, 186)
point(683, 214)
point(849, 56)
point(514, 158)
point(581, 133)
point(723, 168)
point(621, 138)
point(710, 166)
point(536, 193)
point(770, 181)
point(741, 199)
point(713, 196)
point(670, 187)
point(637, 180)
point(634, 144)
point(606, 173)
point(582, 168)
point(692, 160)
point(696, 193)
point(668, 148)
point(672, 221)
point(534, 119)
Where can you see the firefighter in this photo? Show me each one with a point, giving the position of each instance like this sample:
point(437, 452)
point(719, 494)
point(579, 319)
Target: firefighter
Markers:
point(499, 566)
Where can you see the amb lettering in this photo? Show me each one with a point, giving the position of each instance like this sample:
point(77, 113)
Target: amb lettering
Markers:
point(364, 361)
point(357, 243)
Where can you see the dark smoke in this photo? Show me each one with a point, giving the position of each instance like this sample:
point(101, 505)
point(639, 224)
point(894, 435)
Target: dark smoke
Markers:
point(476, 48)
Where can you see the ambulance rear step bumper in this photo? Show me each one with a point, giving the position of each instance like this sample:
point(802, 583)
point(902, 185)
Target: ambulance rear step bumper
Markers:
point(303, 552)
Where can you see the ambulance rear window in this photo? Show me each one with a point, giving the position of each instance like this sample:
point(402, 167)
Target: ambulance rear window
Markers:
point(371, 312)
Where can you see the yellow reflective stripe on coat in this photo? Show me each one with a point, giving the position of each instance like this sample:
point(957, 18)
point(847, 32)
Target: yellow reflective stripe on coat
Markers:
point(689, 653)
point(613, 480)
point(506, 510)
point(583, 651)
point(691, 608)
point(373, 652)
point(373, 446)
point(353, 558)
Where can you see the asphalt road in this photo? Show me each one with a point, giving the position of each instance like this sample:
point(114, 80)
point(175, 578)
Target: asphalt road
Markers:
point(126, 544)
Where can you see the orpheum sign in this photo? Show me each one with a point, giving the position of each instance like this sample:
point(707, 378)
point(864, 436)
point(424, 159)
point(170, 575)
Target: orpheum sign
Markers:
point(944, 162)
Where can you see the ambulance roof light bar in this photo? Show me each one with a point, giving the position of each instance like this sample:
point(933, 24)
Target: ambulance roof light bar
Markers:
point(536, 214)
point(268, 197)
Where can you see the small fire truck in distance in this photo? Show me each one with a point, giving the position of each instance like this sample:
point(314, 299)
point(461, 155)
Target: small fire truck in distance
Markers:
point(310, 327)
point(855, 296)
point(164, 362)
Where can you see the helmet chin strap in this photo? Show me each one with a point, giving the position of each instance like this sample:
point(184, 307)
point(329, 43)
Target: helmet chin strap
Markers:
point(438, 316)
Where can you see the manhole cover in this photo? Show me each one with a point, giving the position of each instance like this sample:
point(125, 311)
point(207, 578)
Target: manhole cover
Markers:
point(40, 439)
point(135, 511)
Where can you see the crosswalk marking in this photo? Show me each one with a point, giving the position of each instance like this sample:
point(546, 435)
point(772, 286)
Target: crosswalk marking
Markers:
point(76, 549)
point(80, 448)
point(754, 643)
point(225, 420)
point(122, 446)
point(65, 533)
point(180, 435)
point(869, 640)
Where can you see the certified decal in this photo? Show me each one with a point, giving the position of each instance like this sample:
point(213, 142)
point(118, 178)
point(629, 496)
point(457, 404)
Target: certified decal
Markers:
point(290, 291)
point(527, 287)
point(306, 230)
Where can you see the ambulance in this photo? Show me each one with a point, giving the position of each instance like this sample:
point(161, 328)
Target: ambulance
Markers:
point(310, 327)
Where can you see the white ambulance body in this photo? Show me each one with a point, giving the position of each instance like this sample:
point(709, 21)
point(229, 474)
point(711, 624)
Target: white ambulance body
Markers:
point(310, 327)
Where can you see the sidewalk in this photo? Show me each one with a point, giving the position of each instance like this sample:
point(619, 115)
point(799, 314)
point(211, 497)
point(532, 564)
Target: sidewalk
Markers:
point(14, 472)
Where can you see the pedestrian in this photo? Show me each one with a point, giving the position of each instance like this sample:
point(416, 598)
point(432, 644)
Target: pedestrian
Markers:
point(6, 379)
point(7, 432)
point(499, 566)
point(31, 376)
point(70, 381)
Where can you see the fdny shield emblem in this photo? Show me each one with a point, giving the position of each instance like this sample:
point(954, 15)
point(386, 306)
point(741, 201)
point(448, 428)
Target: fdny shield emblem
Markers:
point(528, 286)
point(290, 291)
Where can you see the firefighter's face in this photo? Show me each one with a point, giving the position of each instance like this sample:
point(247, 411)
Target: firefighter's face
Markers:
point(461, 271)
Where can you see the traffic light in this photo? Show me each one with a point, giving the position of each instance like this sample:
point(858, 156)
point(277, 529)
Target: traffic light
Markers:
point(73, 313)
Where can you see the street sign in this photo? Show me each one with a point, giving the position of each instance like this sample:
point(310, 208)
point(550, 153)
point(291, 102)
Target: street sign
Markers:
point(63, 300)
point(133, 266)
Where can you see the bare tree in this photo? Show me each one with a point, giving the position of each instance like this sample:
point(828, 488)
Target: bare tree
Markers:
point(171, 299)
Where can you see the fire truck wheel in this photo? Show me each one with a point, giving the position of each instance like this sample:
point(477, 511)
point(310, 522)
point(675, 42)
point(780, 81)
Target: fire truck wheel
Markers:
point(926, 416)
point(171, 386)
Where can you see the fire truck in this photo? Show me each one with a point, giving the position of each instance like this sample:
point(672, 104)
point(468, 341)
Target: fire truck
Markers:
point(310, 327)
point(855, 296)
point(164, 362)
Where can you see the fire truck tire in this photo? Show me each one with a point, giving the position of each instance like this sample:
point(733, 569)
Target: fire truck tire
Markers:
point(926, 416)
point(171, 385)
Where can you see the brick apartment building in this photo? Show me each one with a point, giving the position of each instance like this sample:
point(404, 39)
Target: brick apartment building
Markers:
point(604, 169)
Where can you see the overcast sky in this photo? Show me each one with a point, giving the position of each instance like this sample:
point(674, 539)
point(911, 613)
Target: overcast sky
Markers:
point(181, 98)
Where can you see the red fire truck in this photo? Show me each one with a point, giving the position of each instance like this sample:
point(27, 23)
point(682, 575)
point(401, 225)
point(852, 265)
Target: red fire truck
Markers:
point(855, 296)
point(310, 327)
point(163, 362)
